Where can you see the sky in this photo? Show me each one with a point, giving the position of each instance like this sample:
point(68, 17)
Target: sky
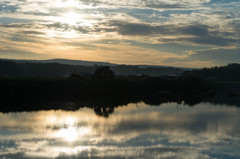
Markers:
point(182, 33)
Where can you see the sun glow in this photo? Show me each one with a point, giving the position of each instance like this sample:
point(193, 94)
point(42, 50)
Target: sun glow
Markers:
point(71, 132)
point(71, 18)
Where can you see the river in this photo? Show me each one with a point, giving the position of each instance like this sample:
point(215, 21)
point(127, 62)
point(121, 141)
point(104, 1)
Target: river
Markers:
point(136, 130)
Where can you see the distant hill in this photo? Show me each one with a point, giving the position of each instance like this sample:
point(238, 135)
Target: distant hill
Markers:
point(231, 72)
point(64, 68)
point(64, 61)
point(88, 63)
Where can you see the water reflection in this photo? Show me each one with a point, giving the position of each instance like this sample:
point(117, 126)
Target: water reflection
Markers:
point(134, 131)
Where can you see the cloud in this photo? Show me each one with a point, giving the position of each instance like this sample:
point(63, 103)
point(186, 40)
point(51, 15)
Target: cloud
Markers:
point(208, 57)
point(31, 32)
point(163, 5)
point(121, 153)
point(193, 33)
point(200, 23)
point(154, 4)
point(15, 25)
point(222, 55)
point(19, 54)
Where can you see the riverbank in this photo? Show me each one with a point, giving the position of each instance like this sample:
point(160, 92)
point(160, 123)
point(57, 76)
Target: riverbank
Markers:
point(28, 93)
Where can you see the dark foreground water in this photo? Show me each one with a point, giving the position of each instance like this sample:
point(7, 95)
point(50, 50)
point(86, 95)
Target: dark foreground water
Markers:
point(133, 131)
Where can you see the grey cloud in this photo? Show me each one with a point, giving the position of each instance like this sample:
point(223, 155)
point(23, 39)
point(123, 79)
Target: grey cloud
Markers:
point(150, 4)
point(121, 153)
point(198, 30)
point(19, 155)
point(13, 53)
point(200, 33)
point(67, 27)
point(222, 55)
point(204, 36)
point(21, 38)
point(141, 3)
point(139, 152)
point(31, 32)
point(21, 25)
point(81, 29)
point(205, 40)
point(236, 27)
point(125, 28)
point(198, 124)
point(58, 25)
point(211, 40)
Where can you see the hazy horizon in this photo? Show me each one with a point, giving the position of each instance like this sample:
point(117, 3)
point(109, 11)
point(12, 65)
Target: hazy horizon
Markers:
point(178, 33)
point(110, 63)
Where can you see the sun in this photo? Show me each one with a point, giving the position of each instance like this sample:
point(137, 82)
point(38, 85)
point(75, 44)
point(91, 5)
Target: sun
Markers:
point(71, 18)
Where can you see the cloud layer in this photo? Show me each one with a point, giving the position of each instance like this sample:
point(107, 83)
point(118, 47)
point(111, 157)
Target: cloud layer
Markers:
point(48, 28)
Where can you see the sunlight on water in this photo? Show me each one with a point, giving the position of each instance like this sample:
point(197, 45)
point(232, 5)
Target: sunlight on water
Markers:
point(133, 131)
point(69, 134)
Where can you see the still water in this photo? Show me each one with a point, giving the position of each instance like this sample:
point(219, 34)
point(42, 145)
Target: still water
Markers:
point(132, 131)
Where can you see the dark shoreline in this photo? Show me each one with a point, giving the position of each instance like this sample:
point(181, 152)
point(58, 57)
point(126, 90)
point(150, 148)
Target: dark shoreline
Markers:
point(73, 93)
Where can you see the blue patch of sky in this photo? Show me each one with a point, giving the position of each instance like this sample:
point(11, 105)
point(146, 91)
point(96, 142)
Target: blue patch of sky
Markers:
point(4, 132)
point(217, 4)
point(6, 20)
point(6, 8)
point(222, 1)
point(7, 144)
point(220, 154)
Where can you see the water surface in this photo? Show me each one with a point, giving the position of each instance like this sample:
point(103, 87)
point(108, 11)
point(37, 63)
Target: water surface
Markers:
point(133, 131)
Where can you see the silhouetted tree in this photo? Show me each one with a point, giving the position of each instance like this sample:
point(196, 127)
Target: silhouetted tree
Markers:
point(103, 111)
point(103, 72)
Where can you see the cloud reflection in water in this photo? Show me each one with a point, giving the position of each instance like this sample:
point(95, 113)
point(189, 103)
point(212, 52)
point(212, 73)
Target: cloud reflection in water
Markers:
point(166, 131)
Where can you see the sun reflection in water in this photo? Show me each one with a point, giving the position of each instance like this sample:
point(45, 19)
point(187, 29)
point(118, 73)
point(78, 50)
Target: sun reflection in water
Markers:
point(71, 132)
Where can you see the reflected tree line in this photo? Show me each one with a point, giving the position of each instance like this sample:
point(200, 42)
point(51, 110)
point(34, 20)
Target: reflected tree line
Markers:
point(101, 92)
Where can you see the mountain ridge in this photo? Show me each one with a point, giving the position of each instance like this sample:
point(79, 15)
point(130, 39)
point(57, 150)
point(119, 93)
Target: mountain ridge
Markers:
point(89, 63)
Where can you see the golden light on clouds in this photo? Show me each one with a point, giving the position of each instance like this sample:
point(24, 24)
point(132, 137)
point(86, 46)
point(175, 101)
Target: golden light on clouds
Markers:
point(170, 29)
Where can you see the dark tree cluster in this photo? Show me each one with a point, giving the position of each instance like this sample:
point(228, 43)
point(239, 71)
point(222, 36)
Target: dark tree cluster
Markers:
point(103, 73)
point(231, 72)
